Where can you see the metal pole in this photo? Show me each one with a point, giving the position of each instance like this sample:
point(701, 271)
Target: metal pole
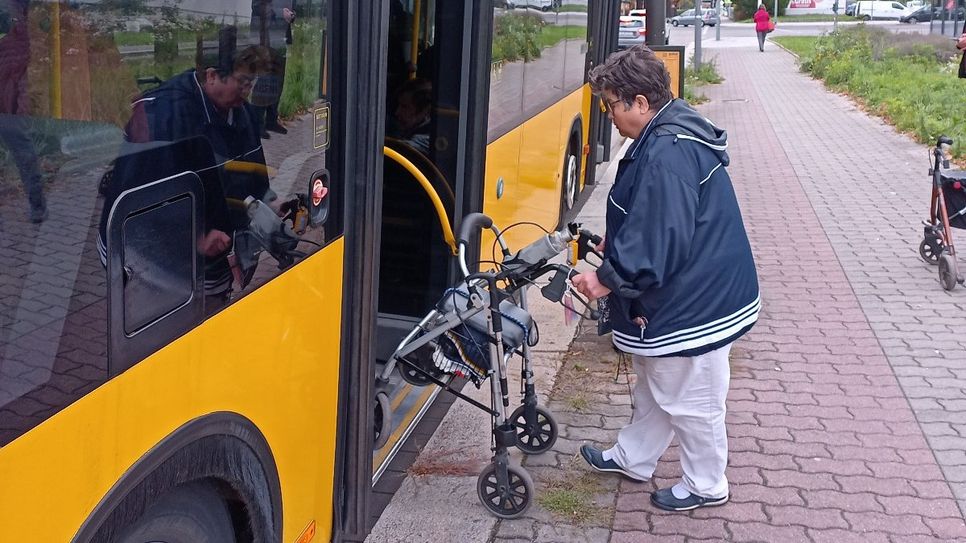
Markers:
point(56, 103)
point(655, 22)
point(776, 11)
point(717, 26)
point(697, 34)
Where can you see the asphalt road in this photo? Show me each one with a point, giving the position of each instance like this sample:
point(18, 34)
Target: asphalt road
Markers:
point(685, 35)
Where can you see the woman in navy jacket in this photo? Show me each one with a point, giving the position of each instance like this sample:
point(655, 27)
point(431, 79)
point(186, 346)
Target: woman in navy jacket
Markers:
point(679, 278)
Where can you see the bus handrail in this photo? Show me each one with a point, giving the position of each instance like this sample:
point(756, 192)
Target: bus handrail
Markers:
point(403, 145)
point(430, 192)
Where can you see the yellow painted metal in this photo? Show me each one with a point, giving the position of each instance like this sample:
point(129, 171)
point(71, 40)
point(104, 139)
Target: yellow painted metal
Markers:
point(244, 166)
point(530, 160)
point(430, 193)
point(414, 44)
point(272, 357)
point(56, 102)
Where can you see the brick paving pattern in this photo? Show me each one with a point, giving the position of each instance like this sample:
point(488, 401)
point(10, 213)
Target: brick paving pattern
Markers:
point(846, 411)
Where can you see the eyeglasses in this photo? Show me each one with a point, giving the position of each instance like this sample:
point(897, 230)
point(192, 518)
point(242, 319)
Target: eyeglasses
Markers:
point(610, 104)
point(244, 80)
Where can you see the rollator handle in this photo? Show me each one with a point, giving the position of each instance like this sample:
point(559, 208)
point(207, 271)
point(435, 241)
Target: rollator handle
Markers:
point(471, 223)
point(554, 291)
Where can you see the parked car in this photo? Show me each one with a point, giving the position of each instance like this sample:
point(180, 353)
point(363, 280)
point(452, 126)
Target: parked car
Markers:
point(879, 9)
point(642, 13)
point(921, 14)
point(850, 9)
point(633, 31)
point(929, 13)
point(708, 17)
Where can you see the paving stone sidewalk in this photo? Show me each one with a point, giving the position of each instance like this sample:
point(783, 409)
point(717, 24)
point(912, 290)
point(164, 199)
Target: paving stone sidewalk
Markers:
point(847, 412)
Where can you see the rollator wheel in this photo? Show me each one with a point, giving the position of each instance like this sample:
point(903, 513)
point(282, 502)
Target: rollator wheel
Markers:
point(930, 251)
point(382, 417)
point(534, 436)
point(424, 359)
point(507, 501)
point(947, 272)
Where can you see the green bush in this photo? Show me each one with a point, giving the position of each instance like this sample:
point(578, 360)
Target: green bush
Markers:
point(516, 37)
point(908, 79)
point(303, 62)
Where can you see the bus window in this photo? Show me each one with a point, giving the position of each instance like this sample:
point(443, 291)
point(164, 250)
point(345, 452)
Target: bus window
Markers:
point(233, 94)
point(506, 72)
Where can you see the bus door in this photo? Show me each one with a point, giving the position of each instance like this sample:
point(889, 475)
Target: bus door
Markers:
point(602, 22)
point(433, 150)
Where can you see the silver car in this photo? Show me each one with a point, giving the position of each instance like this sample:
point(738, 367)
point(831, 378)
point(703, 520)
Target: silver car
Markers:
point(633, 31)
point(708, 17)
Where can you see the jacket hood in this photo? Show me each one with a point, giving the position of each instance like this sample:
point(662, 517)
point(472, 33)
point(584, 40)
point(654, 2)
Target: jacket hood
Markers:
point(678, 119)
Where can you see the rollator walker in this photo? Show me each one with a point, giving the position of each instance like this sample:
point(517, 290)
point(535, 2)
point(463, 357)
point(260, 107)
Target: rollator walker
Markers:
point(947, 210)
point(473, 332)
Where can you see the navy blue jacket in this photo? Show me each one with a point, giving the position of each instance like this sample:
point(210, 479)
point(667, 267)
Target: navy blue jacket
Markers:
point(677, 253)
point(176, 111)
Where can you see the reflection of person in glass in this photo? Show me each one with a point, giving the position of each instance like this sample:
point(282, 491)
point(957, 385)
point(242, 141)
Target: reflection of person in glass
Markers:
point(210, 101)
point(273, 25)
point(412, 119)
point(14, 58)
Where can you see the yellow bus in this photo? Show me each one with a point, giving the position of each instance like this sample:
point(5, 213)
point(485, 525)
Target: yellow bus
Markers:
point(195, 297)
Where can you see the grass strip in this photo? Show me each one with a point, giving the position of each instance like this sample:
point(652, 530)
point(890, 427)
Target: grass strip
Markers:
point(909, 80)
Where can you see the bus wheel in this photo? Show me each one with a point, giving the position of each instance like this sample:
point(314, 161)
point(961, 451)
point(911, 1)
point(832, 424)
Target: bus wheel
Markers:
point(382, 418)
point(570, 184)
point(188, 514)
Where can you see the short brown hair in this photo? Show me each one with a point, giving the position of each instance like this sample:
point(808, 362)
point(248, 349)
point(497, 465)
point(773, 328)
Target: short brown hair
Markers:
point(631, 72)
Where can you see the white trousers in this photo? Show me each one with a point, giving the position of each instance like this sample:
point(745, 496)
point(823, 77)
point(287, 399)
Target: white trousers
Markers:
point(683, 397)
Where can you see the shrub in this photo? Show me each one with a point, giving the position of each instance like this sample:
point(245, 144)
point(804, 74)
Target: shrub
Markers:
point(516, 37)
point(908, 79)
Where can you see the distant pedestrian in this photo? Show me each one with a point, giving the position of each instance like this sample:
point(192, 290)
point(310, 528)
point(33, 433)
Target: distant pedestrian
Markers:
point(679, 278)
point(762, 26)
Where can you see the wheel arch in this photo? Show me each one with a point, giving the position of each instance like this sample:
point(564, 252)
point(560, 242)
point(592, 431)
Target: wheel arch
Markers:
point(223, 448)
point(577, 131)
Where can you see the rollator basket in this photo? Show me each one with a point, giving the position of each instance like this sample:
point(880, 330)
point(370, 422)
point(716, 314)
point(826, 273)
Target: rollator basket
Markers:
point(517, 323)
point(954, 193)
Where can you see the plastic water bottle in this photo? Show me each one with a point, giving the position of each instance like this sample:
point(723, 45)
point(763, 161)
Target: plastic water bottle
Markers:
point(545, 248)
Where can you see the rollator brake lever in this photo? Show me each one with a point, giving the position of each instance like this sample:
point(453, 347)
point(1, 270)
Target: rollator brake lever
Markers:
point(554, 291)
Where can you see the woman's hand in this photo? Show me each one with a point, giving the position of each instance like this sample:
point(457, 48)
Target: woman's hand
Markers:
point(589, 285)
point(214, 243)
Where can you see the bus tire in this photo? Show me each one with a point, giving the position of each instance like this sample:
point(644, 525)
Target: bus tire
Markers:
point(570, 177)
point(191, 513)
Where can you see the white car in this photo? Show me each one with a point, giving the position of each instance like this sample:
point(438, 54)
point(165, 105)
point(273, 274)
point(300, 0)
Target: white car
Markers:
point(879, 9)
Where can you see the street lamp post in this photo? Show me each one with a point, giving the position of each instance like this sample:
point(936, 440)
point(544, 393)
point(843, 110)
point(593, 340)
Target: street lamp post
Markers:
point(697, 34)
point(717, 26)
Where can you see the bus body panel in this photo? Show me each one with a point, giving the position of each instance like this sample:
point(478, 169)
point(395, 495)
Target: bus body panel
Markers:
point(280, 340)
point(530, 191)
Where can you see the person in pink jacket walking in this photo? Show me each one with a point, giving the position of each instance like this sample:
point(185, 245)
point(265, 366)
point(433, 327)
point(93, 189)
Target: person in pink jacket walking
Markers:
point(762, 26)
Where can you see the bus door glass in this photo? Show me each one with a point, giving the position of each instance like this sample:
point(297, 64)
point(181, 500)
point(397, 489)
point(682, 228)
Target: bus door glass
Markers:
point(104, 108)
point(425, 98)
